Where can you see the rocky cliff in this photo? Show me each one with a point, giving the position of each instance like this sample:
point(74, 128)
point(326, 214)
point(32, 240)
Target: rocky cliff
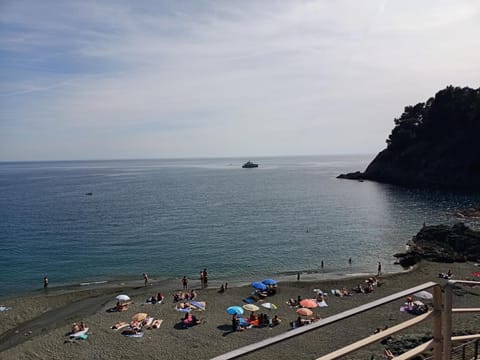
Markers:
point(442, 243)
point(433, 144)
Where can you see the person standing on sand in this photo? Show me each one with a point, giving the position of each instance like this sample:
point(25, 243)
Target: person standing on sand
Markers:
point(201, 279)
point(45, 282)
point(185, 283)
point(379, 269)
point(205, 277)
point(145, 278)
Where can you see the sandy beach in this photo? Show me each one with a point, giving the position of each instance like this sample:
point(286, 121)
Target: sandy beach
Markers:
point(35, 325)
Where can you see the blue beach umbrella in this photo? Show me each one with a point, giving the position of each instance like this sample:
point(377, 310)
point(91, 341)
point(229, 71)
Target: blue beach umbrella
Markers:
point(259, 286)
point(235, 310)
point(269, 282)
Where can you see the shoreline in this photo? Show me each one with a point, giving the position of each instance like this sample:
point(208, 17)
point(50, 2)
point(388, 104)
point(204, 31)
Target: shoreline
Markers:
point(35, 325)
point(310, 275)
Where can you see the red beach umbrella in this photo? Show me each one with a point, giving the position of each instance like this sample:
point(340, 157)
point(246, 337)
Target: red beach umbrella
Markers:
point(309, 303)
point(304, 312)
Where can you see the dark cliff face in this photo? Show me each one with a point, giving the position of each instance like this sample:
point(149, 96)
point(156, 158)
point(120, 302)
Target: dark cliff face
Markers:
point(433, 144)
point(443, 243)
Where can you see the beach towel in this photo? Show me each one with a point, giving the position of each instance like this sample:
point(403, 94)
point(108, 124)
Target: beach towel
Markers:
point(4, 308)
point(156, 323)
point(322, 303)
point(147, 322)
point(249, 300)
point(136, 335)
point(119, 325)
point(198, 305)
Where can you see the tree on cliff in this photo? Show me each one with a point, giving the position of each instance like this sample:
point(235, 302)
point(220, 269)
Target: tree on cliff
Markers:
point(434, 143)
point(452, 109)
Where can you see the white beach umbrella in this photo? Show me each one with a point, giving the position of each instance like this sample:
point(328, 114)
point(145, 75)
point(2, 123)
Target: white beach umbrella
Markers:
point(122, 297)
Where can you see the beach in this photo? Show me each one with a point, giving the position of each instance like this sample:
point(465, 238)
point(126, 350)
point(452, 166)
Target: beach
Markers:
point(35, 325)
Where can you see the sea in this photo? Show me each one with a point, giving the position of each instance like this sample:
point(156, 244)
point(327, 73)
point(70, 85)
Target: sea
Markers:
point(94, 222)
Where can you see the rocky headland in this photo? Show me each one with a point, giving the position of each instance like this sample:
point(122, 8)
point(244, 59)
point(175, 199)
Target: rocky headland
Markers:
point(434, 144)
point(442, 243)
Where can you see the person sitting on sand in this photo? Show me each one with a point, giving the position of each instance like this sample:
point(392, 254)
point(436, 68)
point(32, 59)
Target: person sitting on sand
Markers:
point(82, 326)
point(299, 322)
point(291, 302)
point(236, 323)
point(265, 320)
point(75, 328)
point(159, 297)
point(193, 294)
point(196, 321)
point(222, 289)
point(276, 320)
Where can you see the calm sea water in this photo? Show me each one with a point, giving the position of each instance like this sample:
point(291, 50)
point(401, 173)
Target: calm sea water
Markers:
point(174, 217)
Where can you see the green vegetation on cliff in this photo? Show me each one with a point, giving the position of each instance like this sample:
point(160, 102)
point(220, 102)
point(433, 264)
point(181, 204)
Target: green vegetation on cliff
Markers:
point(433, 144)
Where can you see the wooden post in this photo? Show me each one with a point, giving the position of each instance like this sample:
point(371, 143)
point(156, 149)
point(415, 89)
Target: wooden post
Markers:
point(447, 322)
point(437, 323)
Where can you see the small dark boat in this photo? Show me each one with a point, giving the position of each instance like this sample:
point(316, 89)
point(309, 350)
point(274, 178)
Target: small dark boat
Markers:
point(249, 165)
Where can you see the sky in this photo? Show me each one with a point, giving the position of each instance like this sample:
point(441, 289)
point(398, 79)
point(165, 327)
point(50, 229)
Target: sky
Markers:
point(181, 79)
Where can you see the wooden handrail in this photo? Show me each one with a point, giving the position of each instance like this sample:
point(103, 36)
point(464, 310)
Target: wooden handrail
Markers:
point(318, 324)
point(415, 351)
point(441, 317)
point(376, 337)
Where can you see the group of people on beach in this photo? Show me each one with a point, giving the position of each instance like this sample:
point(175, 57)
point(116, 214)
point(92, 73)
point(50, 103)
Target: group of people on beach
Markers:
point(155, 299)
point(368, 287)
point(254, 320)
point(181, 296)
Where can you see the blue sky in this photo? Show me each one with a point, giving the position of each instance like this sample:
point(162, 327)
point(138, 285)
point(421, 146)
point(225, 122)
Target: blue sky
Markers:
point(161, 79)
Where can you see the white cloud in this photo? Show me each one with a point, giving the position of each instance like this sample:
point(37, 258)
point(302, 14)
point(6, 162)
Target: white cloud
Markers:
point(191, 79)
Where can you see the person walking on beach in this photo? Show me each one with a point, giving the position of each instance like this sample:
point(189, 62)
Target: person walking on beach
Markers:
point(185, 283)
point(45, 282)
point(205, 277)
point(145, 278)
point(379, 269)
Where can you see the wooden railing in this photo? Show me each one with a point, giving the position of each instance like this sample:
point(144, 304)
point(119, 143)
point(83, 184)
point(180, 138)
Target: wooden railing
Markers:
point(441, 315)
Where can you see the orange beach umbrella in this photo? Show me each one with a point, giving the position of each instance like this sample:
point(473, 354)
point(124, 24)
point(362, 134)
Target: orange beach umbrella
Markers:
point(309, 303)
point(304, 312)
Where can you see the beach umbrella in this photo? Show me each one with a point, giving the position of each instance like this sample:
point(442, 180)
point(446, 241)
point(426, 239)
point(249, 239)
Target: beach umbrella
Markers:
point(424, 295)
point(122, 297)
point(259, 286)
point(269, 306)
point(269, 282)
point(251, 307)
point(304, 312)
point(309, 303)
point(235, 310)
point(139, 316)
